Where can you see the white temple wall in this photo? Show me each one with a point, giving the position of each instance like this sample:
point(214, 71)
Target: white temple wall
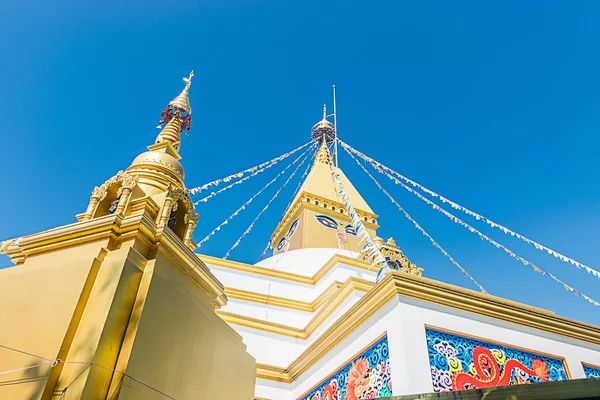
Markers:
point(267, 389)
point(303, 261)
point(339, 356)
point(286, 288)
point(413, 364)
point(267, 312)
point(281, 350)
point(385, 320)
point(404, 320)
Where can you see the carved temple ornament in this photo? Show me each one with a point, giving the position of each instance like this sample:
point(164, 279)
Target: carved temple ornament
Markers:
point(127, 182)
point(174, 195)
point(190, 220)
point(395, 257)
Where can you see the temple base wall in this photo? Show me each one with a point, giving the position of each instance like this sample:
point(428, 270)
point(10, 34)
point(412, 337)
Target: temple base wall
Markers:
point(127, 320)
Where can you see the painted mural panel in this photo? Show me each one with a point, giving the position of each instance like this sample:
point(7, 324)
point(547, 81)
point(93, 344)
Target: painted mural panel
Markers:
point(460, 362)
point(366, 376)
point(591, 371)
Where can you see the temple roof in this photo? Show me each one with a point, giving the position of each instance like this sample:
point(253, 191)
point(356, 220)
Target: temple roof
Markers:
point(319, 182)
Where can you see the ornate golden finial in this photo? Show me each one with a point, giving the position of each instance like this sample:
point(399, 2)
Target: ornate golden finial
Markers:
point(323, 154)
point(171, 132)
point(179, 105)
point(323, 130)
point(182, 101)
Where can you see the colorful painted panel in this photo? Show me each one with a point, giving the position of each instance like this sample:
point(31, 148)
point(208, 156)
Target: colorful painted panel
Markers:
point(459, 362)
point(366, 376)
point(591, 371)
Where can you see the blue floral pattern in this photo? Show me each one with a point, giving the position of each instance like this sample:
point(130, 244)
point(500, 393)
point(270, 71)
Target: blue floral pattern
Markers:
point(454, 367)
point(591, 371)
point(367, 376)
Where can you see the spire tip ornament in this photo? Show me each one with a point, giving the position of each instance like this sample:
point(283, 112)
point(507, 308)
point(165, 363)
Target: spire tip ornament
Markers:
point(323, 130)
point(180, 106)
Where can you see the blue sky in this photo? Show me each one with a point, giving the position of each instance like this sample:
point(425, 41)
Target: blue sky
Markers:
point(495, 105)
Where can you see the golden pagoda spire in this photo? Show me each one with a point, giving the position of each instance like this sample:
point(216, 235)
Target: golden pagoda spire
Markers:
point(182, 101)
point(323, 155)
point(180, 105)
point(171, 133)
point(323, 130)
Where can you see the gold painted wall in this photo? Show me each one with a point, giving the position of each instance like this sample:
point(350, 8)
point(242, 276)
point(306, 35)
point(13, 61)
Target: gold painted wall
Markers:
point(136, 301)
point(37, 302)
point(313, 234)
point(183, 347)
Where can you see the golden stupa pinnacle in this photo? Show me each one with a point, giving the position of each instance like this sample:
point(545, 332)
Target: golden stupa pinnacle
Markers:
point(180, 105)
point(177, 116)
point(323, 130)
point(182, 100)
point(323, 155)
point(171, 132)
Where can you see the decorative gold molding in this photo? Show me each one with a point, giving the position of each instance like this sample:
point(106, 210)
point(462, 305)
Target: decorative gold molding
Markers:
point(119, 229)
point(433, 292)
point(255, 269)
point(159, 163)
point(284, 302)
point(245, 295)
point(350, 286)
point(590, 365)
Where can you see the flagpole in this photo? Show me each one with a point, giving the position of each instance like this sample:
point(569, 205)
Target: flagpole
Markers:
point(335, 145)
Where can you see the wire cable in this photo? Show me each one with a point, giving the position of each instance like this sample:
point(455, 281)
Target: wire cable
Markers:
point(308, 168)
point(471, 213)
point(237, 242)
point(407, 215)
point(247, 203)
point(273, 161)
point(487, 238)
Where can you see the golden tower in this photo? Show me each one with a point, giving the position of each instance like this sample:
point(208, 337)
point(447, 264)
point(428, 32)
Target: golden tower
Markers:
point(117, 301)
point(317, 217)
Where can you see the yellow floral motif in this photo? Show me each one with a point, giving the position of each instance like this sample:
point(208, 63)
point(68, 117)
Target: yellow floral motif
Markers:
point(454, 364)
point(499, 356)
point(472, 369)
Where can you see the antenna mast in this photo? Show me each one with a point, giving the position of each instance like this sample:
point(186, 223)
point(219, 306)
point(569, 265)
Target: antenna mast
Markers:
point(335, 143)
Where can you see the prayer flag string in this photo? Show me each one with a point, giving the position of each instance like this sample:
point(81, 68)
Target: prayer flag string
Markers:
point(247, 203)
point(485, 237)
point(473, 214)
point(237, 242)
point(407, 215)
point(266, 164)
point(370, 249)
point(308, 168)
point(213, 194)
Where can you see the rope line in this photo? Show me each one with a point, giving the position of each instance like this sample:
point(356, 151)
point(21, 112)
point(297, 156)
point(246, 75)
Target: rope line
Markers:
point(213, 194)
point(478, 217)
point(419, 227)
point(24, 352)
point(372, 252)
point(308, 168)
point(487, 238)
point(243, 207)
point(54, 363)
point(273, 161)
point(24, 368)
point(237, 242)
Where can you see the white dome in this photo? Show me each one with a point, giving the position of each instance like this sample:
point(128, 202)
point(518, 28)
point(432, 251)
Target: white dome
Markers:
point(303, 261)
